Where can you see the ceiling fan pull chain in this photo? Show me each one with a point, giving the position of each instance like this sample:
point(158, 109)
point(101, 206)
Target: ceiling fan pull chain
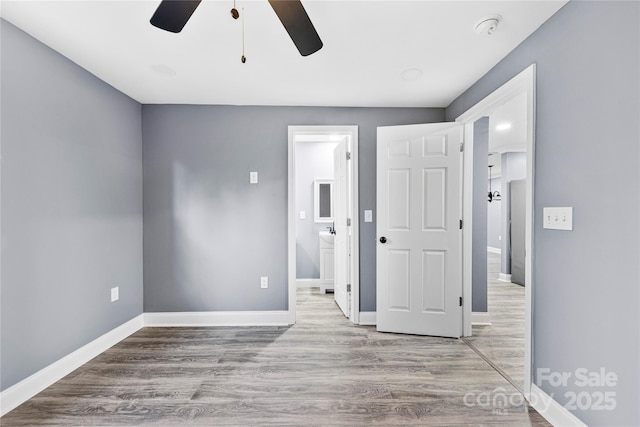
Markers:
point(234, 11)
point(243, 58)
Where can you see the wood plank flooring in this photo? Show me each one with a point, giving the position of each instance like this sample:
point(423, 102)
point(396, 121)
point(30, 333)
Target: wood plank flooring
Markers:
point(503, 341)
point(321, 371)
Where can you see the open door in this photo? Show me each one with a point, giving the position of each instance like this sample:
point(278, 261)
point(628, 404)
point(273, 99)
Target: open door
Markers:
point(342, 226)
point(419, 211)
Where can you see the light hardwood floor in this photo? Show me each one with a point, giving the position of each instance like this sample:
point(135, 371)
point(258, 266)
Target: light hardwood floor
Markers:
point(503, 341)
point(321, 371)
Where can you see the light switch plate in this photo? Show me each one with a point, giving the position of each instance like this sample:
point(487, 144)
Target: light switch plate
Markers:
point(253, 177)
point(264, 282)
point(368, 216)
point(558, 218)
point(303, 215)
point(115, 294)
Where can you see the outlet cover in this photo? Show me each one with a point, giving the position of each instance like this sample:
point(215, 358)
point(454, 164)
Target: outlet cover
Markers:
point(253, 177)
point(115, 294)
point(264, 282)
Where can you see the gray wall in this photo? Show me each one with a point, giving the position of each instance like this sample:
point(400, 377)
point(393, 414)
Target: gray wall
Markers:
point(208, 234)
point(314, 160)
point(514, 167)
point(71, 206)
point(586, 291)
point(494, 217)
point(479, 239)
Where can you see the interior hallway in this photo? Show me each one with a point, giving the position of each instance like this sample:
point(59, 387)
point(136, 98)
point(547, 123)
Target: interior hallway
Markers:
point(321, 371)
point(503, 341)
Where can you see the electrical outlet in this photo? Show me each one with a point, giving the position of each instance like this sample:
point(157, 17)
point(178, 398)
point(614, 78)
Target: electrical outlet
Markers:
point(253, 177)
point(115, 294)
point(303, 215)
point(264, 282)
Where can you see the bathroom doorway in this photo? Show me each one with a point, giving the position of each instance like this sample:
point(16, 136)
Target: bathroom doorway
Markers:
point(322, 215)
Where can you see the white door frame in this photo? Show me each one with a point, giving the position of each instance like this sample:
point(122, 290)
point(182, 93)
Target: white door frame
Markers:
point(525, 82)
point(352, 132)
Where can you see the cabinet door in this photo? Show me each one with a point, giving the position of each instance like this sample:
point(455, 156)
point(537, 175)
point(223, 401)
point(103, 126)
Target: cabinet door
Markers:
point(326, 265)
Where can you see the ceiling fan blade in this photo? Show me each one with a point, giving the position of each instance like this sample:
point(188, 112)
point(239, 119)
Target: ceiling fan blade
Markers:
point(172, 15)
point(298, 25)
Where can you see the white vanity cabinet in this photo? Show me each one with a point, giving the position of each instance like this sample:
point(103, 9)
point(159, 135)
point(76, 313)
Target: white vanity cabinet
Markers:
point(326, 261)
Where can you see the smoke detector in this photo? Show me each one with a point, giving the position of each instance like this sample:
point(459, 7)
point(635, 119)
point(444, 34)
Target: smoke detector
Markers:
point(488, 25)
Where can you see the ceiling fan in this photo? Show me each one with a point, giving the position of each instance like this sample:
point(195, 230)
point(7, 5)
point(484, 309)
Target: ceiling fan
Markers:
point(172, 15)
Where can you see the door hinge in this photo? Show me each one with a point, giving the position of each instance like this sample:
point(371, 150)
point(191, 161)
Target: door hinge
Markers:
point(460, 301)
point(460, 224)
point(348, 287)
point(348, 155)
point(461, 147)
point(348, 222)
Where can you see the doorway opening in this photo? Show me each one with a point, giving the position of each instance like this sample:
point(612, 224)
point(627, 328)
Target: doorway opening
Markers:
point(322, 215)
point(517, 95)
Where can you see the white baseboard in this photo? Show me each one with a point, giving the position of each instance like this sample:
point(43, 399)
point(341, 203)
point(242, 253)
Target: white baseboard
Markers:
point(218, 318)
point(504, 277)
point(551, 410)
point(307, 283)
point(494, 250)
point(479, 318)
point(34, 384)
point(368, 318)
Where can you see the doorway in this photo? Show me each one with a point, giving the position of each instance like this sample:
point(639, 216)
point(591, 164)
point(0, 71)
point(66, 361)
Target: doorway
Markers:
point(338, 217)
point(498, 294)
point(521, 87)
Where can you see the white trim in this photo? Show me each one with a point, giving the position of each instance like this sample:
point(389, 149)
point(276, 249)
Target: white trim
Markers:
point(217, 318)
point(467, 229)
point(504, 277)
point(498, 97)
point(368, 318)
point(524, 82)
point(351, 131)
point(34, 384)
point(316, 200)
point(480, 318)
point(514, 148)
point(552, 411)
point(355, 229)
point(494, 250)
point(307, 283)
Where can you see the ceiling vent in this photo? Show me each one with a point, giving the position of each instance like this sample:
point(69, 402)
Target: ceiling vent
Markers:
point(488, 25)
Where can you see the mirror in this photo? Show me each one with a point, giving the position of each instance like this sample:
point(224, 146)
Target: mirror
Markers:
point(323, 200)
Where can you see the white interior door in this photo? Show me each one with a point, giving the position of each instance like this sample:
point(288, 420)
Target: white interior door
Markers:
point(419, 248)
point(341, 218)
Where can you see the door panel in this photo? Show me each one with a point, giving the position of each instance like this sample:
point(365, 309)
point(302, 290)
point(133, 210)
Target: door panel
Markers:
point(341, 213)
point(434, 199)
point(419, 265)
point(398, 196)
point(433, 280)
point(399, 272)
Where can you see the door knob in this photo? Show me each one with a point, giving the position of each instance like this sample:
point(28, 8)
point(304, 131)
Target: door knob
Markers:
point(383, 239)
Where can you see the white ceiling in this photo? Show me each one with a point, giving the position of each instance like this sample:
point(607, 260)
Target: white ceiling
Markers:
point(514, 138)
point(368, 44)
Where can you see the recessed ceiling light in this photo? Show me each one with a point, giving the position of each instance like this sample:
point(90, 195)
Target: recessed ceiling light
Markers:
point(411, 74)
point(503, 126)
